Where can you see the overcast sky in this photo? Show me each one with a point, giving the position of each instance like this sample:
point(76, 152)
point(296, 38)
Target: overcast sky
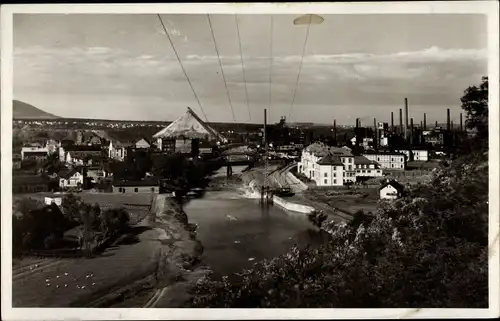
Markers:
point(123, 67)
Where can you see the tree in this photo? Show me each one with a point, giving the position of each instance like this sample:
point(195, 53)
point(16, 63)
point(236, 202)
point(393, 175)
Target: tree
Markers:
point(72, 206)
point(475, 104)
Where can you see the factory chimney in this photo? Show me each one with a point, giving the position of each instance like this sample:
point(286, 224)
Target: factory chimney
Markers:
point(461, 123)
point(400, 121)
point(375, 132)
point(411, 131)
point(425, 122)
point(406, 119)
point(436, 124)
point(392, 121)
point(448, 119)
point(335, 131)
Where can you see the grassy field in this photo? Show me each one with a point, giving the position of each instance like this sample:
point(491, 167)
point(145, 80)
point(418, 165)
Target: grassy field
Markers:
point(76, 282)
point(365, 199)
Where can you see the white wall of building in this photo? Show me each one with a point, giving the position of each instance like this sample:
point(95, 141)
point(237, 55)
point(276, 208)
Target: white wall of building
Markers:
point(388, 161)
point(73, 181)
point(368, 170)
point(389, 192)
point(330, 175)
point(33, 150)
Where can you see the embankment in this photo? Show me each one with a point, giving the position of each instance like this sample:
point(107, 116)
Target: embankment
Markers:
point(179, 263)
point(293, 207)
point(252, 189)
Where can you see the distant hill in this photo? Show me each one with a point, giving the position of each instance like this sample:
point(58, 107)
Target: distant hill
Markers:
point(22, 110)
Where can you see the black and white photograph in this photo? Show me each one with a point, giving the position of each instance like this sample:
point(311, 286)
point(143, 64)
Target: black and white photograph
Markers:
point(292, 156)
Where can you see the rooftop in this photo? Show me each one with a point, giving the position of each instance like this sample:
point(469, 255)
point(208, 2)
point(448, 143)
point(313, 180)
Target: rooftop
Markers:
point(371, 152)
point(394, 184)
point(321, 150)
point(189, 126)
point(330, 160)
point(150, 181)
point(364, 161)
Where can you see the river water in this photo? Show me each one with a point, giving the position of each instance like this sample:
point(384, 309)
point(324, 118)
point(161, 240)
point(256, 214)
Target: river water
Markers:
point(236, 231)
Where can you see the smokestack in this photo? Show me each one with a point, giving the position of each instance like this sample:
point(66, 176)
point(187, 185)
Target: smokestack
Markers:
point(461, 123)
point(406, 119)
point(335, 130)
point(436, 124)
point(357, 123)
point(451, 126)
point(411, 131)
point(392, 121)
point(421, 125)
point(400, 121)
point(265, 129)
point(375, 132)
point(425, 121)
point(448, 119)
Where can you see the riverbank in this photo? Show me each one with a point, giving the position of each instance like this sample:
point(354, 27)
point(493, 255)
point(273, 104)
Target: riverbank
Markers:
point(178, 259)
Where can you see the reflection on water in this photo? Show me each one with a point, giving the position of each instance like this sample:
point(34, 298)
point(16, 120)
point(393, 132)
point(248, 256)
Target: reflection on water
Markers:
point(237, 232)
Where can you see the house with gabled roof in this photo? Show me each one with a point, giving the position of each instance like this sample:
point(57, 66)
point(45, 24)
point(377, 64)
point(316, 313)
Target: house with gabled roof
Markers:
point(70, 178)
point(143, 143)
point(391, 190)
point(366, 167)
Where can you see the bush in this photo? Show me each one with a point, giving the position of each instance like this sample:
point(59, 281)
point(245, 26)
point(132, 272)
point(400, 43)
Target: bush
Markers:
point(39, 228)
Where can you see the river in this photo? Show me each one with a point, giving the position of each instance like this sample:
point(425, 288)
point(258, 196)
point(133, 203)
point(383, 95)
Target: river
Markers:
point(236, 231)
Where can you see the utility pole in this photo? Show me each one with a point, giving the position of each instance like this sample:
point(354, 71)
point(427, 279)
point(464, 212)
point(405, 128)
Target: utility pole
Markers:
point(264, 190)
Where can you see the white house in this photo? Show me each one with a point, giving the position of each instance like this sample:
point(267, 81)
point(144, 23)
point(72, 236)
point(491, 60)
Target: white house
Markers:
point(387, 160)
point(55, 200)
point(327, 166)
point(116, 151)
point(34, 152)
point(391, 190)
point(71, 178)
point(367, 168)
point(415, 154)
point(142, 144)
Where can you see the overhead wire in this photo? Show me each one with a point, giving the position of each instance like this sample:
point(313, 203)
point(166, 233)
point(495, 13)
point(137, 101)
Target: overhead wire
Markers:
point(220, 64)
point(183, 70)
point(270, 63)
point(243, 66)
point(300, 69)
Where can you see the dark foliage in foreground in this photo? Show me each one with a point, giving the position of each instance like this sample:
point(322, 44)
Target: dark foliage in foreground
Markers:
point(427, 250)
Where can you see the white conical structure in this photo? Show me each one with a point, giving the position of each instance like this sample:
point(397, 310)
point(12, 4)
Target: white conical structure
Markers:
point(189, 126)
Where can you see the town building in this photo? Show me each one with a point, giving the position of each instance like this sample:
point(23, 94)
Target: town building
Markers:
point(34, 152)
point(367, 168)
point(435, 137)
point(16, 161)
point(415, 154)
point(80, 155)
point(53, 200)
point(143, 143)
point(147, 185)
point(29, 184)
point(95, 173)
point(387, 160)
point(391, 190)
point(327, 166)
point(118, 150)
point(70, 178)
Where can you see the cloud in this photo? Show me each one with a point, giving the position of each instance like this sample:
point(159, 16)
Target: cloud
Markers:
point(432, 76)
